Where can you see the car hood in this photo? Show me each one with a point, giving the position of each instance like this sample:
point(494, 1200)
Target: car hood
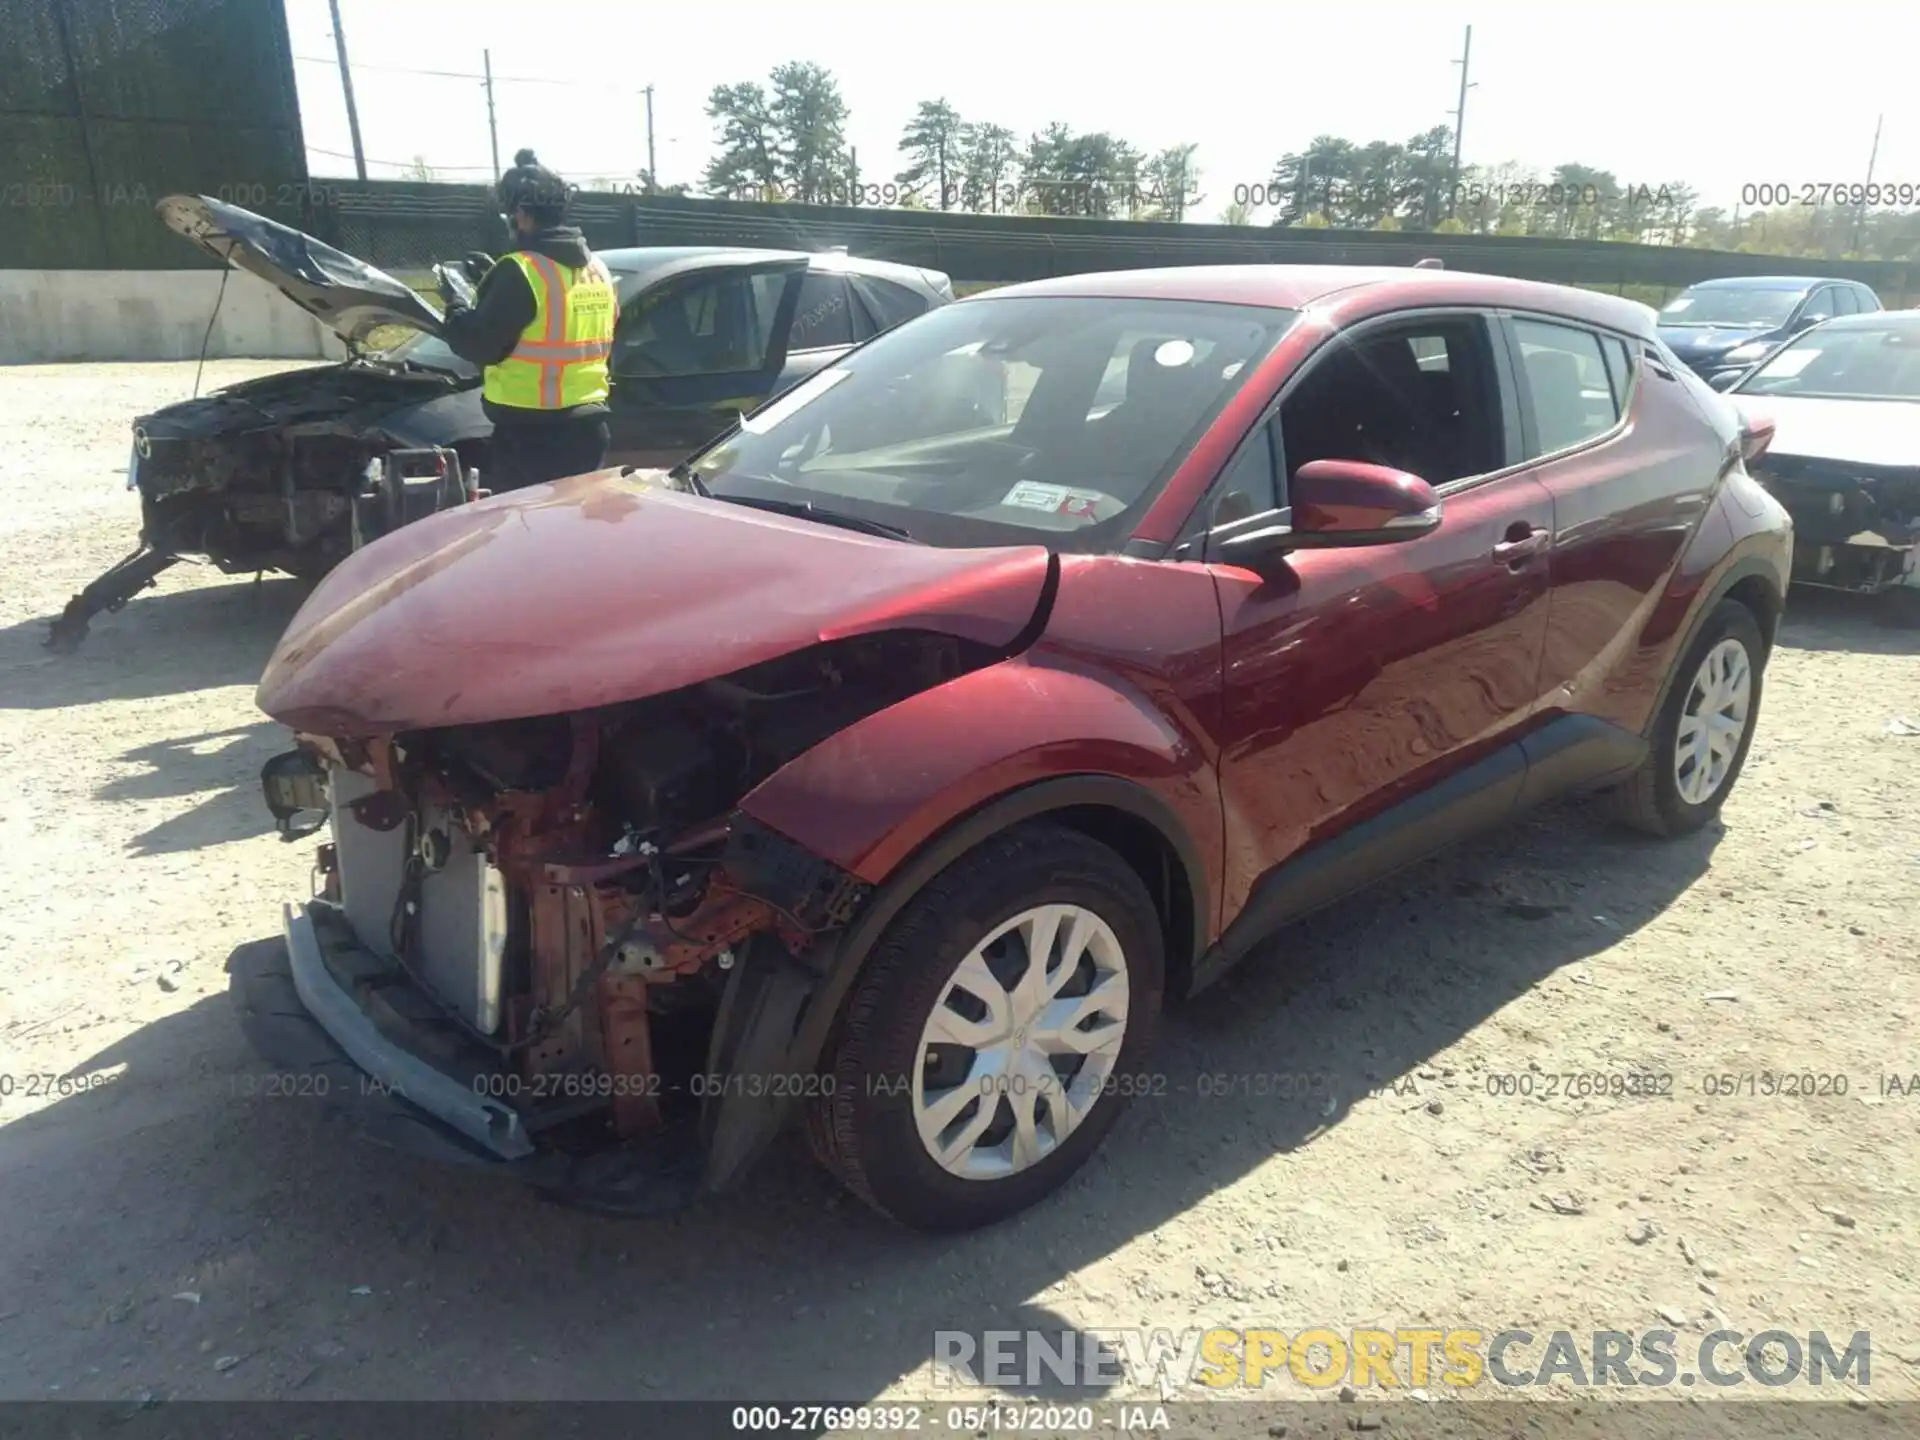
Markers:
point(1856, 432)
point(346, 295)
point(607, 588)
point(1686, 341)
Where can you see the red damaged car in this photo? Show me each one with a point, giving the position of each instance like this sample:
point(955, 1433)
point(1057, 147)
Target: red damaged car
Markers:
point(891, 763)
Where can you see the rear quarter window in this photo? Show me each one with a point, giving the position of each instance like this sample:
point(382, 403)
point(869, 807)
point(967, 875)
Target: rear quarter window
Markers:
point(889, 304)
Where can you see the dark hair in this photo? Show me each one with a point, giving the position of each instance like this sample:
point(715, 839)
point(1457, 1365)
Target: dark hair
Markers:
point(530, 186)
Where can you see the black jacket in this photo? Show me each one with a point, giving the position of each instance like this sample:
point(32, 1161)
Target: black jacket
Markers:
point(503, 308)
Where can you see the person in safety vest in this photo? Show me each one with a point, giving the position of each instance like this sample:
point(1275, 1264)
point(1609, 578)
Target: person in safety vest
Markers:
point(541, 328)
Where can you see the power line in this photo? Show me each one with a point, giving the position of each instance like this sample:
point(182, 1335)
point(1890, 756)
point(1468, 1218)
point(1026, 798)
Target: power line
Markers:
point(473, 169)
point(469, 75)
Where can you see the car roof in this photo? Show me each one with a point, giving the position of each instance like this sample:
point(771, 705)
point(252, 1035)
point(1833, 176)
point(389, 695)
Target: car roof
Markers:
point(1770, 282)
point(641, 259)
point(1875, 320)
point(1296, 287)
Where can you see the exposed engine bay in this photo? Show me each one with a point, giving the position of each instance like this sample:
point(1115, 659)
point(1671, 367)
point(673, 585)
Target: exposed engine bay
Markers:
point(1855, 527)
point(262, 476)
point(549, 909)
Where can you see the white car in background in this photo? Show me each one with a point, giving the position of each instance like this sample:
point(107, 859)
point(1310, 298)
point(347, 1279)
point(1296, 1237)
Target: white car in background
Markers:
point(1844, 398)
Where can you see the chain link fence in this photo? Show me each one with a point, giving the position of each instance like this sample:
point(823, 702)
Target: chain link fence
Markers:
point(108, 105)
point(403, 227)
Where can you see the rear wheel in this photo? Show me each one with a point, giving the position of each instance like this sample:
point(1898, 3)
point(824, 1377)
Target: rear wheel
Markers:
point(989, 1043)
point(1701, 737)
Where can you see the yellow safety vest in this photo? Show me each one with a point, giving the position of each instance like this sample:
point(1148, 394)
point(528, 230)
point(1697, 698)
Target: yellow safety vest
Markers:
point(561, 358)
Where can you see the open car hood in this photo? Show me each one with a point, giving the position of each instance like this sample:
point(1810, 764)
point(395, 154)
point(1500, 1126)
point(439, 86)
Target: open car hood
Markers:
point(346, 295)
point(607, 588)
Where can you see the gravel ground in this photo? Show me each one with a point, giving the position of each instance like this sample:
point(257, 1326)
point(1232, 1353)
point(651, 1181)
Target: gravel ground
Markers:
point(168, 1233)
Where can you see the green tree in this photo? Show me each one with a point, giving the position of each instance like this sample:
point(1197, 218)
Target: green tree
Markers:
point(808, 120)
point(989, 162)
point(1043, 169)
point(1096, 175)
point(749, 163)
point(650, 186)
point(1427, 186)
point(1173, 182)
point(418, 169)
point(1237, 212)
point(1582, 202)
point(934, 142)
point(1377, 184)
point(1315, 181)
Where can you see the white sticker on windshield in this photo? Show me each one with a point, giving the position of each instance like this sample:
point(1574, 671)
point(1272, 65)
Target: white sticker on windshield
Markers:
point(1055, 499)
point(805, 393)
point(1682, 303)
point(1173, 353)
point(1791, 362)
point(1030, 495)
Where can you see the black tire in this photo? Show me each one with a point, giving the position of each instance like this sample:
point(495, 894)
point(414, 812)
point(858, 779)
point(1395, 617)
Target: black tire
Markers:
point(863, 1131)
point(1650, 799)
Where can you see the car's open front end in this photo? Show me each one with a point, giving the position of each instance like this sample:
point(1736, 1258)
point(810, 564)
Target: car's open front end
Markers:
point(525, 933)
point(553, 943)
point(1844, 400)
point(1856, 527)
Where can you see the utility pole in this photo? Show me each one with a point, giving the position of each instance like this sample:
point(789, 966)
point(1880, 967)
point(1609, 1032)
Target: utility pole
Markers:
point(653, 175)
point(1459, 124)
point(493, 130)
point(1872, 157)
point(346, 84)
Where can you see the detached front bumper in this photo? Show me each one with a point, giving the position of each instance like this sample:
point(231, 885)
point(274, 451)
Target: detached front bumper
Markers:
point(342, 1027)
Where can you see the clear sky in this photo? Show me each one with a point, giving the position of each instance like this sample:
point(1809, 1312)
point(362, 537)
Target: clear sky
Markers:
point(1720, 95)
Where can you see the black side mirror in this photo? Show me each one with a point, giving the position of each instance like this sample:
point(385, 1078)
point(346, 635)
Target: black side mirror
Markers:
point(1723, 379)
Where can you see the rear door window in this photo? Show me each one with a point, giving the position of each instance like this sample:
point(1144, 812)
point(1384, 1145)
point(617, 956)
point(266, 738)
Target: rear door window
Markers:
point(1565, 374)
point(713, 323)
point(821, 320)
point(889, 304)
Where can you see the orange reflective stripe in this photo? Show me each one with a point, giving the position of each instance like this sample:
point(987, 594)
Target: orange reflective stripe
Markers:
point(554, 330)
point(556, 306)
point(564, 349)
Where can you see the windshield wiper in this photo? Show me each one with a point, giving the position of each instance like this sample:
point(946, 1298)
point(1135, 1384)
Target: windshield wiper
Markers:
point(686, 475)
point(807, 510)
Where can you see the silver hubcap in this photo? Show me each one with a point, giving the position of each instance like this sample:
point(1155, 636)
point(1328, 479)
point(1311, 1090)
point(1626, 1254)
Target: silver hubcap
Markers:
point(1712, 723)
point(1021, 1042)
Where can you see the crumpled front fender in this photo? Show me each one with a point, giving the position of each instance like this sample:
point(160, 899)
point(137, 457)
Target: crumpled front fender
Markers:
point(872, 795)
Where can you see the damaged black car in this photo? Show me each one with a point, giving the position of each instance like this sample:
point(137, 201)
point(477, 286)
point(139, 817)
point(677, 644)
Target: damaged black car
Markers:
point(292, 472)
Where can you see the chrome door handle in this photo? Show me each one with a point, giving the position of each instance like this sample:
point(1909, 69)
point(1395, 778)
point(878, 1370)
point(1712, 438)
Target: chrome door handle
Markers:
point(1517, 552)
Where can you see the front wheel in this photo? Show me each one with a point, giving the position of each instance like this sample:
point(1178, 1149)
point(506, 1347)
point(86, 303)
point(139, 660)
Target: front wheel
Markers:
point(1701, 736)
point(995, 1032)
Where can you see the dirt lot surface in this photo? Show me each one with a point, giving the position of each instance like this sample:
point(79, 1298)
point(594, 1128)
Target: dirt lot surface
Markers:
point(166, 1233)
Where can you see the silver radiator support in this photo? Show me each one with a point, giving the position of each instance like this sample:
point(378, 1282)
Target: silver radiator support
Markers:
point(462, 945)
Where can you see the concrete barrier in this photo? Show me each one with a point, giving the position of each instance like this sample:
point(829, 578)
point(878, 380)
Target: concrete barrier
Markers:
point(151, 315)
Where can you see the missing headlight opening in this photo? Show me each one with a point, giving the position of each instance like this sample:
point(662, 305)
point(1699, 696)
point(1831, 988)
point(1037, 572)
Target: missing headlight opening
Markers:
point(563, 898)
